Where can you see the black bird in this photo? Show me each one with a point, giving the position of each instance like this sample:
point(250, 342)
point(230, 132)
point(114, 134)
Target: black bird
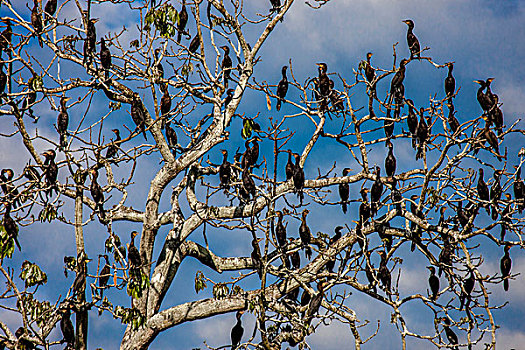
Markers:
point(335, 98)
point(324, 80)
point(413, 43)
point(305, 299)
point(137, 114)
point(10, 226)
point(97, 194)
point(295, 258)
point(483, 191)
point(450, 82)
point(305, 235)
point(505, 218)
point(229, 97)
point(79, 284)
point(158, 69)
point(50, 9)
point(344, 191)
point(29, 100)
point(415, 228)
point(113, 148)
point(370, 73)
point(298, 177)
point(451, 336)
point(399, 77)
point(183, 19)
point(10, 191)
point(395, 196)
point(226, 65)
point(433, 282)
point(36, 22)
point(253, 156)
point(412, 122)
point(3, 79)
point(496, 115)
point(63, 121)
point(376, 192)
point(519, 190)
point(280, 230)
point(364, 207)
point(105, 57)
point(290, 167)
point(90, 42)
point(225, 171)
point(237, 331)
point(468, 286)
point(315, 303)
point(495, 193)
point(195, 43)
point(505, 266)
point(369, 271)
point(422, 133)
point(487, 135)
point(31, 173)
point(390, 160)
point(282, 88)
point(483, 99)
point(276, 5)
point(256, 255)
point(384, 273)
point(5, 36)
point(105, 273)
point(66, 326)
point(245, 160)
point(388, 124)
point(452, 120)
point(171, 138)
point(331, 263)
point(50, 172)
point(133, 253)
point(165, 106)
point(248, 184)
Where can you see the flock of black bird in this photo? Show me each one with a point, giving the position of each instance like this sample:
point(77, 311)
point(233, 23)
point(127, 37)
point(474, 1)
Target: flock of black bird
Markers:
point(419, 128)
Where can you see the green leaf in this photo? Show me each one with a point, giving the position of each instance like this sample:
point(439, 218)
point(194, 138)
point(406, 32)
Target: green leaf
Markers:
point(32, 275)
point(200, 283)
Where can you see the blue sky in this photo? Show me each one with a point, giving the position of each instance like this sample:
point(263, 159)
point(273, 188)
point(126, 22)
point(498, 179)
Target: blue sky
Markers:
point(483, 38)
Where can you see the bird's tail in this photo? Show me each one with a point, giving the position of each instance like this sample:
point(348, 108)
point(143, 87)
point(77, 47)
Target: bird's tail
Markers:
point(63, 141)
point(494, 212)
point(344, 206)
point(506, 284)
point(279, 101)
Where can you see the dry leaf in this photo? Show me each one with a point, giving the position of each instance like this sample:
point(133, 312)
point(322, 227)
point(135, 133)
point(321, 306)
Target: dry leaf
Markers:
point(268, 103)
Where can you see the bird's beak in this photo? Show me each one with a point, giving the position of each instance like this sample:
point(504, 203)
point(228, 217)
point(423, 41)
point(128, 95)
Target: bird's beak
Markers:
point(490, 80)
point(318, 64)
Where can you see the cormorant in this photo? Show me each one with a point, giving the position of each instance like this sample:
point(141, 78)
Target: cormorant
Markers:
point(133, 253)
point(451, 336)
point(496, 115)
point(226, 65)
point(79, 284)
point(105, 273)
point(158, 68)
point(290, 167)
point(5, 36)
point(137, 114)
point(489, 136)
point(245, 160)
point(468, 286)
point(495, 193)
point(422, 133)
point(335, 98)
point(63, 121)
point(50, 9)
point(298, 176)
point(452, 120)
point(450, 82)
point(256, 256)
point(364, 207)
point(228, 98)
point(433, 282)
point(413, 43)
point(370, 73)
point(295, 258)
point(505, 218)
point(225, 171)
point(390, 160)
point(105, 57)
point(10, 191)
point(50, 171)
point(237, 331)
point(415, 228)
point(66, 326)
point(399, 76)
point(412, 122)
point(254, 152)
point(344, 191)
point(282, 88)
point(315, 303)
point(369, 271)
point(483, 99)
point(195, 43)
point(165, 105)
point(171, 138)
point(247, 183)
point(305, 235)
point(280, 230)
point(324, 80)
point(519, 190)
point(376, 192)
point(395, 196)
point(505, 265)
point(113, 148)
point(183, 19)
point(10, 226)
point(97, 194)
point(31, 173)
point(90, 42)
point(36, 22)
point(483, 191)
point(383, 273)
point(331, 263)
point(388, 124)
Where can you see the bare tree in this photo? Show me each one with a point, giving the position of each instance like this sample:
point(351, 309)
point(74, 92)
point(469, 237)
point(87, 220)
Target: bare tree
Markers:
point(171, 94)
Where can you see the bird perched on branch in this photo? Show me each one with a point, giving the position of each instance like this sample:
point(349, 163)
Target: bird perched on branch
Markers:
point(237, 331)
point(433, 282)
point(282, 88)
point(63, 122)
point(413, 43)
point(226, 65)
point(505, 266)
point(137, 114)
point(183, 19)
point(305, 235)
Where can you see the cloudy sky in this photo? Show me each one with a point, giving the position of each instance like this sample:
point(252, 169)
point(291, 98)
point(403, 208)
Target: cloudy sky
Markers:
point(484, 39)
